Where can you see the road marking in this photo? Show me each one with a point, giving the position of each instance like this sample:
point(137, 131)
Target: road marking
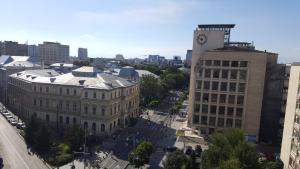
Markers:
point(14, 150)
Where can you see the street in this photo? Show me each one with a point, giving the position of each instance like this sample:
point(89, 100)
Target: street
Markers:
point(13, 149)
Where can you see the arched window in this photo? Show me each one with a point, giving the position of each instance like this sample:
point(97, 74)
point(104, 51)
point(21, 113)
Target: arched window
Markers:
point(85, 125)
point(102, 127)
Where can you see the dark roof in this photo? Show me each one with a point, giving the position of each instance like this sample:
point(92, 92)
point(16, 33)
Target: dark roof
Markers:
point(216, 26)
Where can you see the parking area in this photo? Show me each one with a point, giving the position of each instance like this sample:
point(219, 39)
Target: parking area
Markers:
point(12, 118)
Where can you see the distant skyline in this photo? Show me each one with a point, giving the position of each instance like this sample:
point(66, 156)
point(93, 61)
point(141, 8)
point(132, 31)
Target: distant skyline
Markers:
point(136, 28)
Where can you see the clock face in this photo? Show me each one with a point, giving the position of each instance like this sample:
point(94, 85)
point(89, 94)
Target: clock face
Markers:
point(201, 39)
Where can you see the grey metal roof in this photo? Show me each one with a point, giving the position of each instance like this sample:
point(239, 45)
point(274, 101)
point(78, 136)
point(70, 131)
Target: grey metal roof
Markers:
point(216, 26)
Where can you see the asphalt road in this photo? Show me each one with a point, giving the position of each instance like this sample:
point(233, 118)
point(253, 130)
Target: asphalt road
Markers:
point(13, 149)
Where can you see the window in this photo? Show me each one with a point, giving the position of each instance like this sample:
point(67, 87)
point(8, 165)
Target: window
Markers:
point(41, 89)
point(221, 110)
point(68, 91)
point(240, 100)
point(215, 85)
point(207, 73)
point(243, 64)
point(222, 98)
point(60, 90)
point(102, 127)
point(34, 102)
point(86, 94)
point(224, 86)
point(47, 102)
point(94, 128)
point(217, 63)
point(221, 122)
point(231, 99)
point(67, 120)
point(205, 97)
point(47, 118)
point(34, 88)
point(85, 125)
point(206, 85)
point(230, 111)
point(60, 119)
point(225, 63)
point(204, 120)
point(74, 120)
point(242, 87)
point(234, 64)
point(213, 109)
point(74, 106)
point(196, 119)
point(94, 95)
point(197, 96)
point(233, 74)
point(197, 108)
point(85, 109)
point(229, 122)
point(47, 89)
point(60, 104)
point(199, 84)
point(103, 95)
point(242, 74)
point(94, 109)
point(74, 92)
point(208, 62)
point(200, 72)
point(214, 98)
point(225, 74)
point(103, 111)
point(204, 108)
point(67, 105)
point(216, 73)
point(41, 102)
point(239, 112)
point(232, 87)
point(238, 123)
point(212, 121)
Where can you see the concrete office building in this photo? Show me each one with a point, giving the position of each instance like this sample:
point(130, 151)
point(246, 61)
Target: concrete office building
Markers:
point(83, 53)
point(227, 82)
point(98, 101)
point(188, 58)
point(33, 53)
point(53, 52)
point(13, 49)
point(290, 146)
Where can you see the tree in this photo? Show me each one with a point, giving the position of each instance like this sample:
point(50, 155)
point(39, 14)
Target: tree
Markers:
point(231, 164)
point(141, 154)
point(74, 137)
point(149, 89)
point(247, 155)
point(176, 160)
point(42, 139)
point(278, 164)
point(32, 127)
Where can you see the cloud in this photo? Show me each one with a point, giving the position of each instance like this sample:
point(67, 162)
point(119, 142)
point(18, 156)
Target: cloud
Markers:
point(162, 13)
point(87, 37)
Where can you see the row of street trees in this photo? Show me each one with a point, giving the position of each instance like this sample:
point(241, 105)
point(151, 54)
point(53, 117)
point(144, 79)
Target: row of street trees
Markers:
point(227, 150)
point(153, 89)
point(56, 150)
point(141, 154)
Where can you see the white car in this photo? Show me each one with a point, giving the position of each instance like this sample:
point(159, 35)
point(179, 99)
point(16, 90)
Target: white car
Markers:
point(6, 114)
point(12, 121)
point(8, 117)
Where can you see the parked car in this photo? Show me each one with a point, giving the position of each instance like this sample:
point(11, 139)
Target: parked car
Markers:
point(1, 162)
point(198, 150)
point(188, 150)
point(9, 117)
point(12, 121)
point(20, 125)
point(6, 114)
point(171, 149)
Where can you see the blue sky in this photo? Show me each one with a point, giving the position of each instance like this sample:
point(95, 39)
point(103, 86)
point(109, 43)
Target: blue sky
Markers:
point(136, 28)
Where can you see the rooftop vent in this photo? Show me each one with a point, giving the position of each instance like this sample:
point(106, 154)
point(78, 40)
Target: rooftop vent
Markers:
point(18, 74)
point(50, 73)
point(81, 82)
point(27, 76)
point(52, 80)
point(33, 77)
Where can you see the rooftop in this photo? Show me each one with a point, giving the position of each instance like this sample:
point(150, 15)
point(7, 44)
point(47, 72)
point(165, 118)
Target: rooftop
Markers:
point(216, 26)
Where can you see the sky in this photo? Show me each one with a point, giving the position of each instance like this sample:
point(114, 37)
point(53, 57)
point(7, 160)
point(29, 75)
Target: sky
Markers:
point(136, 28)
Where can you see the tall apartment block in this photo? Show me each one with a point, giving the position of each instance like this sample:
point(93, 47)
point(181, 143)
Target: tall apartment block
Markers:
point(227, 84)
point(53, 52)
point(82, 53)
point(290, 146)
point(13, 49)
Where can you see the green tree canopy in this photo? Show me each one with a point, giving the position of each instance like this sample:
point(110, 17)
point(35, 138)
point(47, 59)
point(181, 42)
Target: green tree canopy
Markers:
point(176, 160)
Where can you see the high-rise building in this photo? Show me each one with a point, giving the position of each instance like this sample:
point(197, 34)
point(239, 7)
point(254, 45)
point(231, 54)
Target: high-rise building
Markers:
point(290, 146)
point(33, 53)
point(227, 82)
point(188, 57)
point(119, 57)
point(82, 53)
point(53, 52)
point(13, 49)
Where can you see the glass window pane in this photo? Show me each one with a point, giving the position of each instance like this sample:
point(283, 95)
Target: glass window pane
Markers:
point(207, 73)
point(243, 64)
point(242, 87)
point(225, 63)
point(206, 85)
point(214, 98)
point(232, 87)
point(221, 122)
point(224, 86)
point(222, 98)
point(230, 111)
point(196, 119)
point(213, 109)
point(233, 74)
point(199, 84)
point(240, 100)
point(238, 123)
point(197, 108)
point(231, 99)
point(208, 62)
point(242, 74)
point(204, 108)
point(204, 120)
point(225, 74)
point(205, 97)
point(215, 85)
point(229, 122)
point(234, 63)
point(216, 73)
point(239, 112)
point(217, 63)
point(221, 110)
point(212, 121)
